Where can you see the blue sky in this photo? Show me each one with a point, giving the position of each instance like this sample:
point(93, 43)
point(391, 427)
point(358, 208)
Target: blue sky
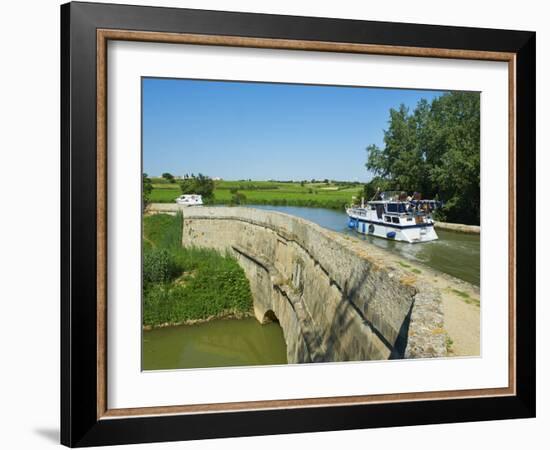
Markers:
point(241, 130)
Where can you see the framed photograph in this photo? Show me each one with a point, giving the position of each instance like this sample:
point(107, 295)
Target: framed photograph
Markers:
point(278, 224)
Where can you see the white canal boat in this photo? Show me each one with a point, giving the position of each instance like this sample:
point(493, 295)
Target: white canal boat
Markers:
point(394, 215)
point(189, 200)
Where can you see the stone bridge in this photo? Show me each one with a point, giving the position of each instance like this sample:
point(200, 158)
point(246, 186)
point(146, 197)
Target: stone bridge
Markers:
point(336, 298)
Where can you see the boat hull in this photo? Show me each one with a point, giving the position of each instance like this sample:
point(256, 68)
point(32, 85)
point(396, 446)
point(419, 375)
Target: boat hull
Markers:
point(413, 233)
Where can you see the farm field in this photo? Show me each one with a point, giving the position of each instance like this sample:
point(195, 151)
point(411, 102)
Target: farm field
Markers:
point(319, 194)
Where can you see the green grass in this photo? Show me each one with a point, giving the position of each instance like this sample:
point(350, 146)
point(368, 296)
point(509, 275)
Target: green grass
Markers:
point(163, 230)
point(408, 266)
point(187, 284)
point(166, 194)
point(466, 297)
point(332, 195)
point(461, 293)
point(449, 344)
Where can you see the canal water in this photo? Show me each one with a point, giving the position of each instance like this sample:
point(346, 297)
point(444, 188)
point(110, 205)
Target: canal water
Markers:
point(245, 342)
point(456, 254)
point(218, 343)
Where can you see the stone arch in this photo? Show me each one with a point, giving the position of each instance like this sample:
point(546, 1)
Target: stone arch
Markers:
point(269, 316)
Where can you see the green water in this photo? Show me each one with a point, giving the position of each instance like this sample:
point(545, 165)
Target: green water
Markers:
point(219, 343)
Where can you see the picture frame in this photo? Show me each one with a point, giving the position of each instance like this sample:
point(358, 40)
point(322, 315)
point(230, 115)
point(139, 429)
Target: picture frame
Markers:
point(86, 418)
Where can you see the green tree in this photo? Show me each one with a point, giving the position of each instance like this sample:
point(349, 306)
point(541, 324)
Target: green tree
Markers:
point(238, 198)
point(168, 177)
point(200, 185)
point(146, 189)
point(434, 150)
point(456, 173)
point(377, 184)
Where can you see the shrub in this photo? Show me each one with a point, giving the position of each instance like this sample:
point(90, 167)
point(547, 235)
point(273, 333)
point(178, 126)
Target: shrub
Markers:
point(158, 266)
point(238, 198)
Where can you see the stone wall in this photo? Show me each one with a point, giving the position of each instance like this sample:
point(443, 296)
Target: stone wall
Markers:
point(336, 299)
point(458, 227)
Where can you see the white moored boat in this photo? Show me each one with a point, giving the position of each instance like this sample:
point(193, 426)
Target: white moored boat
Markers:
point(394, 215)
point(189, 200)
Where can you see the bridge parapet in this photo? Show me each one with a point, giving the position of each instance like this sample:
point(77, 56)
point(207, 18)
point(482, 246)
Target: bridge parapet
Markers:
point(336, 298)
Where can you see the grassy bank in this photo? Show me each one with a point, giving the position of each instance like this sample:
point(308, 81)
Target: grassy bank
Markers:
point(187, 284)
point(332, 195)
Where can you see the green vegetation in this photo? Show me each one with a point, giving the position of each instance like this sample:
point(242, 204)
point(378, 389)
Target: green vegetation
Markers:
point(461, 293)
point(237, 198)
point(333, 195)
point(163, 231)
point(200, 185)
point(434, 150)
point(168, 177)
point(164, 192)
point(408, 266)
point(187, 284)
point(146, 190)
point(466, 297)
point(158, 266)
point(449, 344)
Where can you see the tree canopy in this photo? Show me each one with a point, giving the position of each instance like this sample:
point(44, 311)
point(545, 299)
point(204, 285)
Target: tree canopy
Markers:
point(168, 177)
point(200, 185)
point(434, 150)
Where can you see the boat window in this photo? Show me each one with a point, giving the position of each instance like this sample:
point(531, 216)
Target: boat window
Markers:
point(395, 219)
point(392, 207)
point(387, 218)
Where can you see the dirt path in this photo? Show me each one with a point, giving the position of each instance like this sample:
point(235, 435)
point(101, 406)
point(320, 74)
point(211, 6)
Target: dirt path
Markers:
point(460, 302)
point(462, 324)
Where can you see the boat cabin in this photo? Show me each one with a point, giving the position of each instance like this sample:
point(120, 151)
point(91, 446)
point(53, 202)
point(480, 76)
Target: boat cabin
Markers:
point(395, 215)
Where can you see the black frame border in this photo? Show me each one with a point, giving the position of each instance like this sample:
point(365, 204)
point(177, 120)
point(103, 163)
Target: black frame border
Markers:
point(79, 423)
